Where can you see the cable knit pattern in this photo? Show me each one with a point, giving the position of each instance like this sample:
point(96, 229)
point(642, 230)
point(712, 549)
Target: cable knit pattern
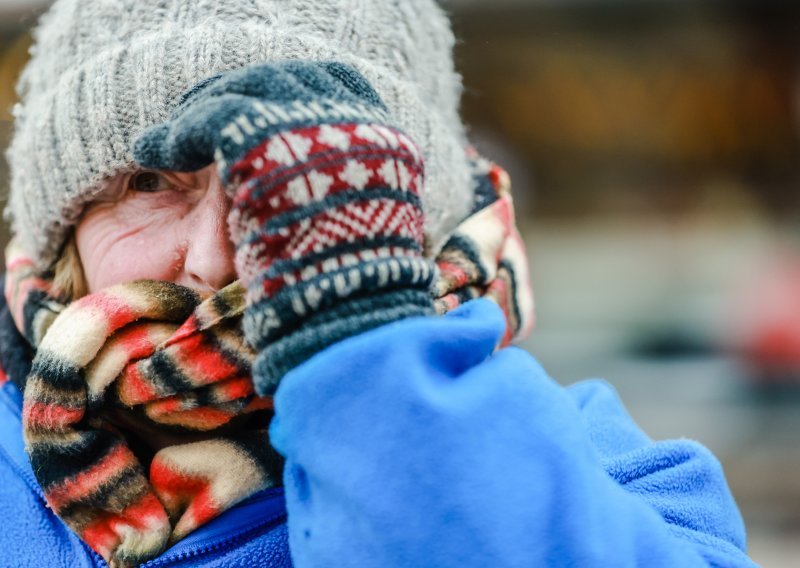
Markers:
point(84, 102)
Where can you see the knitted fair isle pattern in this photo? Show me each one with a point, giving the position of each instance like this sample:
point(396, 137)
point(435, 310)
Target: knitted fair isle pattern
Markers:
point(329, 225)
point(177, 363)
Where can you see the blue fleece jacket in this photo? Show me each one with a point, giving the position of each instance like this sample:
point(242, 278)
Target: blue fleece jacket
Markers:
point(416, 444)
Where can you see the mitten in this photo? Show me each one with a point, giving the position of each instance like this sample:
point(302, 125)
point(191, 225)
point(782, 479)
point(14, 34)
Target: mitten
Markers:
point(326, 214)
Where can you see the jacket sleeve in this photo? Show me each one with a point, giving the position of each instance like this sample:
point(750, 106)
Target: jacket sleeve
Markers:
point(416, 444)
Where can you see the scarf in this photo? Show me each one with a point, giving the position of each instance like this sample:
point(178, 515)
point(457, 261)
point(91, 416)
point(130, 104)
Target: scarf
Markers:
point(154, 357)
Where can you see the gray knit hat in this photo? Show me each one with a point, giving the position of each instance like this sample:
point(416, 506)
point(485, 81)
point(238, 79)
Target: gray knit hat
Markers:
point(103, 70)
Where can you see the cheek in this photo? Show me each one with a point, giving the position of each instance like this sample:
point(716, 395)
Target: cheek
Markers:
point(118, 246)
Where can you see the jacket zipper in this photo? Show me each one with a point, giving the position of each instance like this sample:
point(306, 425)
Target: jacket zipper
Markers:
point(219, 547)
point(182, 550)
point(222, 539)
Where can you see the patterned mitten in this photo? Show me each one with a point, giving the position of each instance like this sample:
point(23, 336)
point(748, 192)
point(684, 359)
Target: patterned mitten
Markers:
point(326, 217)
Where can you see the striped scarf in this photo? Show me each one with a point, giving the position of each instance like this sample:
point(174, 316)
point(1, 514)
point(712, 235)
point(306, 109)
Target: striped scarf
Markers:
point(155, 357)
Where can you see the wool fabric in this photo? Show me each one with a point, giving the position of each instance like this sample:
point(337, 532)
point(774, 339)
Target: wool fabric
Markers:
point(103, 71)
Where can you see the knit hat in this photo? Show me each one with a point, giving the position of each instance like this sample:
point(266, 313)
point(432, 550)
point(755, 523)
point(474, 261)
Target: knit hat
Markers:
point(104, 70)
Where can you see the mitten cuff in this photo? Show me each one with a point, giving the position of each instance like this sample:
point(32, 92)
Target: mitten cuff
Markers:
point(324, 329)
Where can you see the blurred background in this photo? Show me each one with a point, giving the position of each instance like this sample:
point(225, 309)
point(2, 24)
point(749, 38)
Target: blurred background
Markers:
point(653, 147)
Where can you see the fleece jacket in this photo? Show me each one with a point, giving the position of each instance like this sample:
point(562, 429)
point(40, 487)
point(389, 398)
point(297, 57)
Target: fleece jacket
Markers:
point(419, 444)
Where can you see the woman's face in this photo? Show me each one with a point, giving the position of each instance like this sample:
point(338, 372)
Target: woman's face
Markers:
point(162, 226)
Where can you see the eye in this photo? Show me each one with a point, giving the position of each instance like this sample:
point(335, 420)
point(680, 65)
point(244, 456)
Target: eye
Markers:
point(149, 182)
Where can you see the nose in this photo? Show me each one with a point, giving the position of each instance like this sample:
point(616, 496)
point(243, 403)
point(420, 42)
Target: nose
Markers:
point(209, 261)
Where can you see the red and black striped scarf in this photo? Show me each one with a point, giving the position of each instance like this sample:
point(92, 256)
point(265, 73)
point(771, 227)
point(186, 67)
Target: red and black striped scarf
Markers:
point(153, 359)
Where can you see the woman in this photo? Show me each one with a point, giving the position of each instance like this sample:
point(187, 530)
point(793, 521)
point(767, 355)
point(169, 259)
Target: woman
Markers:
point(225, 220)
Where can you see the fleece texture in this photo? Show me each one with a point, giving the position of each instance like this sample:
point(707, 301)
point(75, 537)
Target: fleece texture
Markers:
point(416, 444)
point(169, 362)
point(471, 457)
